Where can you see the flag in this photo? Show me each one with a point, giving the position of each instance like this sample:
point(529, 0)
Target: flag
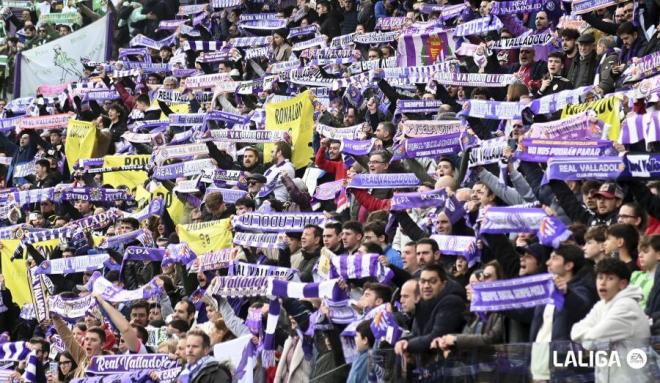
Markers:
point(295, 116)
point(422, 47)
point(59, 61)
point(80, 141)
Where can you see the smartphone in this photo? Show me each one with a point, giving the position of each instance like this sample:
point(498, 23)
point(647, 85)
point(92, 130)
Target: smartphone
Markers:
point(513, 143)
point(52, 367)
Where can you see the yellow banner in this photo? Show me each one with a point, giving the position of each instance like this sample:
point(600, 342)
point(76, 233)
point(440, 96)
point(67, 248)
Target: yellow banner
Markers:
point(607, 109)
point(15, 272)
point(130, 178)
point(176, 108)
point(80, 141)
point(295, 116)
point(46, 248)
point(175, 207)
point(204, 237)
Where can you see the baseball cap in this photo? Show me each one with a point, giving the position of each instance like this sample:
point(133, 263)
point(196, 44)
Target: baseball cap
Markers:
point(540, 252)
point(610, 191)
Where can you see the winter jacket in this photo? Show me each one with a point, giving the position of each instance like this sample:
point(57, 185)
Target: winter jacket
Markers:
point(299, 369)
point(212, 372)
point(621, 322)
point(335, 167)
point(583, 70)
point(436, 317)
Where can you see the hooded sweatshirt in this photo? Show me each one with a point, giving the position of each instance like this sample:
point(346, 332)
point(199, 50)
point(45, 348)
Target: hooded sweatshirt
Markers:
point(621, 322)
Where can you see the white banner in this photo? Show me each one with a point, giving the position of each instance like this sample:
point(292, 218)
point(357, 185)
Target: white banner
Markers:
point(59, 61)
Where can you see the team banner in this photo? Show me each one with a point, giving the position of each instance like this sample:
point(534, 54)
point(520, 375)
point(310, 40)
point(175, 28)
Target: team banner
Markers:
point(639, 127)
point(357, 147)
point(38, 292)
point(296, 117)
point(579, 126)
point(205, 237)
point(403, 201)
point(249, 136)
point(351, 132)
point(505, 220)
point(581, 7)
point(278, 222)
point(647, 67)
point(555, 102)
point(385, 181)
point(133, 178)
point(642, 165)
point(260, 240)
point(517, 6)
point(580, 168)
point(516, 293)
point(72, 264)
point(71, 309)
point(115, 364)
point(430, 146)
point(540, 150)
point(215, 260)
point(474, 79)
point(488, 152)
point(464, 246)
point(183, 169)
point(522, 41)
point(233, 286)
point(59, 61)
point(422, 47)
point(358, 266)
point(56, 121)
point(253, 270)
point(607, 109)
point(478, 26)
point(417, 128)
point(493, 110)
point(112, 293)
point(80, 141)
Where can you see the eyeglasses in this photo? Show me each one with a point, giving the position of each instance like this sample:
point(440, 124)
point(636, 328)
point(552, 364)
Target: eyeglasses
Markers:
point(62, 362)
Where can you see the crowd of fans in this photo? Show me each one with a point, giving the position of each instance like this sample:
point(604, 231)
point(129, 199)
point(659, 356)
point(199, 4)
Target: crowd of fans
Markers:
point(421, 283)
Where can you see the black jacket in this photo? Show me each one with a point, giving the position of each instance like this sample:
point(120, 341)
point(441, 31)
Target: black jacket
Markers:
point(213, 372)
point(436, 317)
point(306, 267)
point(583, 70)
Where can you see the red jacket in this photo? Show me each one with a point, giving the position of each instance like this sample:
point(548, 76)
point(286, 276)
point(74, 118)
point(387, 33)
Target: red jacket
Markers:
point(335, 167)
point(370, 202)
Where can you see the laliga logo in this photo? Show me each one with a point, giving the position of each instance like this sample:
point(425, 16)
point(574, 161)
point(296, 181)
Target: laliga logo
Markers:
point(636, 359)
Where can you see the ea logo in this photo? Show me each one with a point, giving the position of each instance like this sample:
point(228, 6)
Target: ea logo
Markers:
point(636, 358)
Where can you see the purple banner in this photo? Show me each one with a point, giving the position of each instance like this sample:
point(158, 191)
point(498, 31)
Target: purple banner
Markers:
point(403, 201)
point(278, 222)
point(580, 168)
point(113, 364)
point(431, 146)
point(505, 220)
point(539, 150)
point(356, 147)
point(516, 293)
point(384, 181)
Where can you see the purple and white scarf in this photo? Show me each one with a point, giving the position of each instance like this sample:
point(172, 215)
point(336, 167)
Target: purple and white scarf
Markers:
point(376, 37)
point(183, 169)
point(38, 293)
point(252, 270)
point(539, 150)
point(430, 146)
point(478, 26)
point(488, 152)
point(385, 328)
point(358, 266)
point(278, 222)
point(189, 10)
point(641, 127)
point(70, 265)
point(356, 147)
point(493, 110)
point(390, 23)
point(578, 126)
point(71, 309)
point(403, 201)
point(417, 128)
point(505, 220)
point(647, 67)
point(245, 42)
point(270, 24)
point(474, 79)
point(215, 260)
point(303, 31)
point(207, 80)
point(581, 168)
point(515, 293)
point(115, 364)
point(417, 106)
point(384, 181)
point(581, 7)
point(464, 246)
point(532, 40)
point(350, 133)
point(553, 232)
point(514, 7)
point(220, 176)
point(248, 136)
point(112, 293)
point(260, 240)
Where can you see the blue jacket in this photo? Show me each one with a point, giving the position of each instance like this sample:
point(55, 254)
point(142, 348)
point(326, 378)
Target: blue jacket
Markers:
point(358, 373)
